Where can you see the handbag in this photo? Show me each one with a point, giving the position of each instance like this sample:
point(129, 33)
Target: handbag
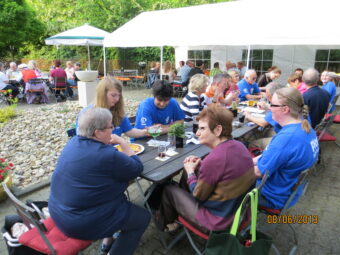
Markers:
point(231, 242)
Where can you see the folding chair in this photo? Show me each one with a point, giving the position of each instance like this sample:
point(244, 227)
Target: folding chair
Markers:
point(302, 182)
point(59, 86)
point(324, 136)
point(35, 88)
point(189, 228)
point(43, 235)
point(178, 88)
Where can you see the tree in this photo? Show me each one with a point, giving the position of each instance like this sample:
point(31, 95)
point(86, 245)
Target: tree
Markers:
point(18, 26)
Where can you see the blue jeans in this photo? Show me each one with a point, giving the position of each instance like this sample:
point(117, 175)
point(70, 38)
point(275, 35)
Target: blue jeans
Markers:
point(132, 231)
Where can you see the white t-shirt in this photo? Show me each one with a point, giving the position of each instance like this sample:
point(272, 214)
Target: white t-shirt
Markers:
point(3, 79)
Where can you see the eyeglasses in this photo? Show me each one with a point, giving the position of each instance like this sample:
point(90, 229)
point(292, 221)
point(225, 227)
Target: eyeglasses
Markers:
point(111, 127)
point(277, 105)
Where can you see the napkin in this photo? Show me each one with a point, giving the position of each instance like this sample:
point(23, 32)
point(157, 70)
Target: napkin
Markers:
point(156, 143)
point(162, 159)
point(192, 140)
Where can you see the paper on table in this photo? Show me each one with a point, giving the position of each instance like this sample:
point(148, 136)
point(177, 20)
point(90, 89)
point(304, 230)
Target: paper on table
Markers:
point(171, 153)
point(162, 159)
point(156, 143)
point(192, 140)
point(253, 109)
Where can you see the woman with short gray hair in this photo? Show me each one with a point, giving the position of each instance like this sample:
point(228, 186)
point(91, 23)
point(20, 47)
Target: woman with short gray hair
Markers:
point(87, 198)
point(193, 103)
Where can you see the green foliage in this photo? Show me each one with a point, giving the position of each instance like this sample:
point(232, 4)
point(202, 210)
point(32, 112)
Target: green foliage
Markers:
point(177, 129)
point(18, 26)
point(7, 113)
point(26, 29)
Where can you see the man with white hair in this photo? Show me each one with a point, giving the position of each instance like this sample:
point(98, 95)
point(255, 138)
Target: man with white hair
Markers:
point(316, 98)
point(248, 87)
point(12, 71)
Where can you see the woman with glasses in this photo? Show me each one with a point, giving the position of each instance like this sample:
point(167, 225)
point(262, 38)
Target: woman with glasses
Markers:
point(87, 199)
point(294, 149)
point(109, 95)
point(213, 187)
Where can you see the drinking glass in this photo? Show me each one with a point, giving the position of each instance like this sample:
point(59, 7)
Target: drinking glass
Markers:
point(161, 150)
point(154, 132)
point(172, 142)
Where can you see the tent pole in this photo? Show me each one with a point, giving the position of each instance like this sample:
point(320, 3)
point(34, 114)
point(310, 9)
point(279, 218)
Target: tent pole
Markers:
point(161, 69)
point(104, 61)
point(88, 55)
point(248, 56)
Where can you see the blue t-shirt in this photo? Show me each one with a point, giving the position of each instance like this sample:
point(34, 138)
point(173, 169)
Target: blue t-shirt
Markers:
point(148, 114)
point(247, 89)
point(123, 127)
point(290, 152)
point(331, 89)
point(273, 123)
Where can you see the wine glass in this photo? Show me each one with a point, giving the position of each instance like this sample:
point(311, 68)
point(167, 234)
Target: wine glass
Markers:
point(155, 131)
point(161, 150)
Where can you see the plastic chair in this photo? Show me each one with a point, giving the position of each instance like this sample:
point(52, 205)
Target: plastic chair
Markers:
point(302, 182)
point(44, 236)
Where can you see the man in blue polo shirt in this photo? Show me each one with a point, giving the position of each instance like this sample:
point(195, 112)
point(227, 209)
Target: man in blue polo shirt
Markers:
point(248, 87)
point(160, 109)
point(316, 98)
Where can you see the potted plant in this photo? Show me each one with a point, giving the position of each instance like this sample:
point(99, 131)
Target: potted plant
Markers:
point(178, 130)
point(5, 177)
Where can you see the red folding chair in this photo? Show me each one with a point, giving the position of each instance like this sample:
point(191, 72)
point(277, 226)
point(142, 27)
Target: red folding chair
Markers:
point(44, 236)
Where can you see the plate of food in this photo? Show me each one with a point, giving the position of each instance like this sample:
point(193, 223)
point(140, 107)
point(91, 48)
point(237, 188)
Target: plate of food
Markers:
point(137, 148)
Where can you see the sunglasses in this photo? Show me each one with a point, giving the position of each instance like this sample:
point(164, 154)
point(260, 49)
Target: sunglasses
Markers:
point(277, 105)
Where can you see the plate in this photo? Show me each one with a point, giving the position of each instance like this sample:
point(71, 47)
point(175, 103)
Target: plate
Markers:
point(137, 148)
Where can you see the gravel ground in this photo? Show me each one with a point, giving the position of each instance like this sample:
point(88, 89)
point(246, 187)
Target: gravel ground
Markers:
point(33, 140)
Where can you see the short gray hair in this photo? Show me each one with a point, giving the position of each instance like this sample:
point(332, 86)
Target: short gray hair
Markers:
point(31, 64)
point(310, 77)
point(198, 82)
point(219, 77)
point(93, 119)
point(273, 86)
point(12, 64)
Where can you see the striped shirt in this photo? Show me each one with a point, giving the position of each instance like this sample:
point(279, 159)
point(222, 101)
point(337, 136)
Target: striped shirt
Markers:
point(192, 105)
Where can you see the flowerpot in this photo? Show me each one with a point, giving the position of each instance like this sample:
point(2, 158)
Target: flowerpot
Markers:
point(179, 142)
point(8, 181)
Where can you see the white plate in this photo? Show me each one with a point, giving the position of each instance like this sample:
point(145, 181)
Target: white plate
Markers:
point(137, 148)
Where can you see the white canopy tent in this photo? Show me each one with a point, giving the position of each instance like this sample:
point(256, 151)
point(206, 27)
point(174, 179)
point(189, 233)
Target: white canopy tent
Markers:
point(84, 35)
point(246, 22)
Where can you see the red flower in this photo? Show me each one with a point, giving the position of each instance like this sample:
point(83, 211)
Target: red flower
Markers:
point(2, 160)
point(10, 165)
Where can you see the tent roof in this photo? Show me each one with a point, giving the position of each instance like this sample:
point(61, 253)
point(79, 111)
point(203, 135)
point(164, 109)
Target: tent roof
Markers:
point(83, 35)
point(246, 22)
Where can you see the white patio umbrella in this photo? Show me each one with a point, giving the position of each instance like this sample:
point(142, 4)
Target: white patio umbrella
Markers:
point(84, 35)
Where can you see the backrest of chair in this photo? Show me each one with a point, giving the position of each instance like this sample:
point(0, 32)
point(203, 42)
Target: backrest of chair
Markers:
point(302, 179)
point(333, 103)
point(132, 120)
point(35, 81)
point(325, 123)
point(60, 82)
point(29, 216)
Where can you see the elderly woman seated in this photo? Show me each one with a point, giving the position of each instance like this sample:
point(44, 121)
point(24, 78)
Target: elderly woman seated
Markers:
point(87, 198)
point(215, 185)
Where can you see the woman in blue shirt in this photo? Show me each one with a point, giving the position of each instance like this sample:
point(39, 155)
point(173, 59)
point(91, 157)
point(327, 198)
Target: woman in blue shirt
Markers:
point(329, 86)
point(109, 95)
point(294, 149)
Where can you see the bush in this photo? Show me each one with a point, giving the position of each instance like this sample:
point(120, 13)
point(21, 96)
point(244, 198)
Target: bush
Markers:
point(7, 113)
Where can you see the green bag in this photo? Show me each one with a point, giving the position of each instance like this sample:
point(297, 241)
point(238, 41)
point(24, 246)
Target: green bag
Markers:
point(232, 243)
